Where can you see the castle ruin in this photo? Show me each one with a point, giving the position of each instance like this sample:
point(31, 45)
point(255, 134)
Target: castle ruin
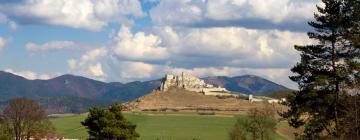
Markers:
point(192, 83)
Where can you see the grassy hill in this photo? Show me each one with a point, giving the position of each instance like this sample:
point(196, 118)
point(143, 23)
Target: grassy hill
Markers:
point(183, 100)
point(163, 126)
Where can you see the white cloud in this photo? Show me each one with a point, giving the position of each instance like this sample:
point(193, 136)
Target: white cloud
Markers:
point(273, 10)
point(2, 43)
point(86, 14)
point(127, 71)
point(96, 70)
point(177, 12)
point(139, 46)
point(210, 47)
point(50, 46)
point(221, 51)
point(93, 55)
point(89, 64)
point(32, 75)
point(188, 12)
point(231, 46)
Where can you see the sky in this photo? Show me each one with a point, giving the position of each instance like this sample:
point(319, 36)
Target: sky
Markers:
point(139, 40)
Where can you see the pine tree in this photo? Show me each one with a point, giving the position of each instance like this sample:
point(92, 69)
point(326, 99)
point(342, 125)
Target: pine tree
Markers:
point(327, 71)
point(109, 124)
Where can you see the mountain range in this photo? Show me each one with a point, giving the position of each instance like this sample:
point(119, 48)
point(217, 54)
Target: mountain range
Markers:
point(74, 94)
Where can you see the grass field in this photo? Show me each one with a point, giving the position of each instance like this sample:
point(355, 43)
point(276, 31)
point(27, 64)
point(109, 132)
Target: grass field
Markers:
point(162, 126)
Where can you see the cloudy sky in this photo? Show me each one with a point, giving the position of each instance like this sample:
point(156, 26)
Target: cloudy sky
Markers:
point(129, 40)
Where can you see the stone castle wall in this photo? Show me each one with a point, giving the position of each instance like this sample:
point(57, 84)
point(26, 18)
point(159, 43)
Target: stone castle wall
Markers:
point(192, 83)
point(182, 81)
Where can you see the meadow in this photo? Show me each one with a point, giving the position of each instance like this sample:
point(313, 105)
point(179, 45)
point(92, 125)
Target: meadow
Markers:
point(163, 126)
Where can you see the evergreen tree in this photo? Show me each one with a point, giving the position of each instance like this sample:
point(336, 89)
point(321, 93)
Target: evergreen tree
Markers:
point(109, 124)
point(327, 71)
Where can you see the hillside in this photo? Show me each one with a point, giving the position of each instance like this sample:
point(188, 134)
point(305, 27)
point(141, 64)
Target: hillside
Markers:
point(66, 104)
point(248, 84)
point(281, 93)
point(69, 93)
point(182, 100)
point(74, 94)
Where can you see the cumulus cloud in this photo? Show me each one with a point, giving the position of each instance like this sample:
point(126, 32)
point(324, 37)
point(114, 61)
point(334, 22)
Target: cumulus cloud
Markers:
point(210, 47)
point(32, 75)
point(228, 51)
point(233, 12)
point(2, 43)
point(139, 46)
point(50, 46)
point(127, 71)
point(89, 65)
point(177, 12)
point(220, 51)
point(96, 70)
point(86, 14)
point(274, 10)
point(231, 46)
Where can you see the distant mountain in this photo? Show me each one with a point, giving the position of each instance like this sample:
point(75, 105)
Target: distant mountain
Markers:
point(69, 93)
point(248, 84)
point(69, 85)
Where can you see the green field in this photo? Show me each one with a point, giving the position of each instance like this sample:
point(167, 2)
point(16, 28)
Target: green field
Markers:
point(169, 126)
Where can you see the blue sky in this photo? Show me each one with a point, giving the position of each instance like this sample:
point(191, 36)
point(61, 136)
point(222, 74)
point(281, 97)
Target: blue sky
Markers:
point(128, 40)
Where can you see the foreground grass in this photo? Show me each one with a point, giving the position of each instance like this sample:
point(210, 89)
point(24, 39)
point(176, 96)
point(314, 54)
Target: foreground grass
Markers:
point(162, 126)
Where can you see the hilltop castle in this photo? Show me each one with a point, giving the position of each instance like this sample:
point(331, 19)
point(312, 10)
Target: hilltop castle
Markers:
point(192, 83)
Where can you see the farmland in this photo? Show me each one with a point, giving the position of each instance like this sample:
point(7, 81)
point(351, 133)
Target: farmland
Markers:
point(163, 126)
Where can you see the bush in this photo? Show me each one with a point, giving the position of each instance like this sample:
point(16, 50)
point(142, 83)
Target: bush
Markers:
point(259, 125)
point(206, 113)
point(5, 137)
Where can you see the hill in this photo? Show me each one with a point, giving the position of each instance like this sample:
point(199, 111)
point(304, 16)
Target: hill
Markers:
point(69, 85)
point(181, 100)
point(74, 94)
point(69, 93)
point(248, 84)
